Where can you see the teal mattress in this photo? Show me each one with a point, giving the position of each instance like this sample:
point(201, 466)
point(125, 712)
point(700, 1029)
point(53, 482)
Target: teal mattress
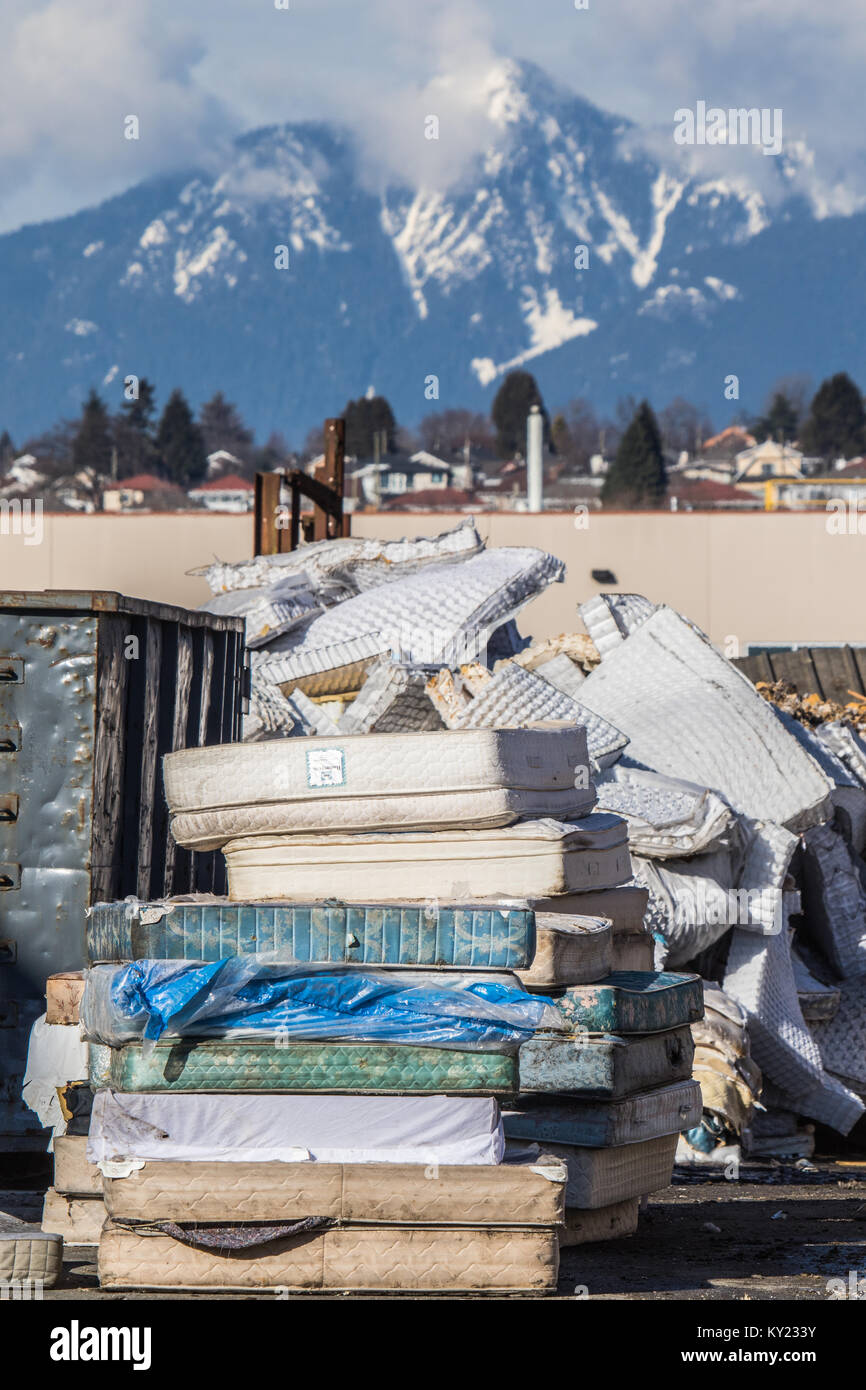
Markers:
point(327, 1067)
point(604, 1124)
point(604, 1065)
point(467, 937)
point(633, 1001)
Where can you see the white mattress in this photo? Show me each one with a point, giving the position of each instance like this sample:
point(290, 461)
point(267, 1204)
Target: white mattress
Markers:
point(437, 616)
point(600, 1177)
point(535, 858)
point(396, 781)
point(294, 1128)
point(689, 713)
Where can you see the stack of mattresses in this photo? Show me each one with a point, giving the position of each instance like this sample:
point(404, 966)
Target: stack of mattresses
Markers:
point(612, 1096)
point(377, 851)
point(612, 1099)
point(363, 1165)
point(73, 1207)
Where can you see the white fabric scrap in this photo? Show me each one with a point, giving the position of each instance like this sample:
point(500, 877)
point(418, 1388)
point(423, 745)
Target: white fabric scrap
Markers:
point(56, 1055)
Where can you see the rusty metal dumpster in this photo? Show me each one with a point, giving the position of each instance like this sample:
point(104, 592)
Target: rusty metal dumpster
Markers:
point(94, 689)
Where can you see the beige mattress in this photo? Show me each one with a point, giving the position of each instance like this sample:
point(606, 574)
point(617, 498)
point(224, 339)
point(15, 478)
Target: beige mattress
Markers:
point(599, 1223)
point(77, 1219)
point(534, 858)
point(29, 1261)
point(362, 782)
point(602, 1177)
point(73, 1175)
point(519, 1194)
point(632, 947)
point(569, 951)
point(407, 1259)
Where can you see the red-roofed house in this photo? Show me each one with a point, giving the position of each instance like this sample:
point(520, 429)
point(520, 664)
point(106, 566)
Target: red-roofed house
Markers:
point(141, 490)
point(229, 493)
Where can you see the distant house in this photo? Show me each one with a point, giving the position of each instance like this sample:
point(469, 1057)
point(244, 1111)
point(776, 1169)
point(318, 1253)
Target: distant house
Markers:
point(221, 462)
point(687, 494)
point(396, 476)
point(768, 460)
point(449, 499)
point(230, 493)
point(139, 492)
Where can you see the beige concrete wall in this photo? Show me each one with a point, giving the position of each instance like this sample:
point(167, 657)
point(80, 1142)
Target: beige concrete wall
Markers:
point(755, 576)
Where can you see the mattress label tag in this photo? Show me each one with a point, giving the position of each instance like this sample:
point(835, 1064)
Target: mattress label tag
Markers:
point(326, 767)
point(119, 1167)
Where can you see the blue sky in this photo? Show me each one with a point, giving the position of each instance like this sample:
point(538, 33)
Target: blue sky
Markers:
point(198, 72)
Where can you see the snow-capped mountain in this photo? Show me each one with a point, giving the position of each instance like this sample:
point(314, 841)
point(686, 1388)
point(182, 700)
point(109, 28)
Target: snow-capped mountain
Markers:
point(690, 278)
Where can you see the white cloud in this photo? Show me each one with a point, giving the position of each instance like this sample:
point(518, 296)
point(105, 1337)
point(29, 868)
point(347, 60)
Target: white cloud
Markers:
point(195, 73)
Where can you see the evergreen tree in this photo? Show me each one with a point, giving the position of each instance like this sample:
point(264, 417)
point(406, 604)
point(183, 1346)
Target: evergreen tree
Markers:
point(179, 442)
point(7, 449)
point(510, 410)
point(779, 422)
point(366, 418)
point(836, 425)
point(637, 475)
point(133, 432)
point(92, 444)
point(222, 427)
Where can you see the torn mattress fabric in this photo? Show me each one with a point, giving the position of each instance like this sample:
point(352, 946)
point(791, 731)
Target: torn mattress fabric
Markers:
point(689, 713)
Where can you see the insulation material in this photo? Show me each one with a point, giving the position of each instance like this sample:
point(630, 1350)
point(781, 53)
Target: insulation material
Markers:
point(576, 646)
point(666, 818)
point(834, 900)
point(841, 1039)
point(392, 699)
point(760, 976)
point(277, 1128)
point(425, 618)
point(448, 696)
point(690, 714)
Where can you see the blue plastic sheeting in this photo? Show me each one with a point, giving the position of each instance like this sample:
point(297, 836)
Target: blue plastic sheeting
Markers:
point(230, 998)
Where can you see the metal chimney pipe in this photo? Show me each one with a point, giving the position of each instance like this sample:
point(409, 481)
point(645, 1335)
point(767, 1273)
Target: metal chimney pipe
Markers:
point(534, 460)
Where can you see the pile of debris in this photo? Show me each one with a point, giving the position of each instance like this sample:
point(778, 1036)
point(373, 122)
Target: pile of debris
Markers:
point(812, 711)
point(746, 815)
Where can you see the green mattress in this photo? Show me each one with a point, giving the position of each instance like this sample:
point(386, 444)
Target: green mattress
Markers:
point(349, 1067)
point(633, 1001)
